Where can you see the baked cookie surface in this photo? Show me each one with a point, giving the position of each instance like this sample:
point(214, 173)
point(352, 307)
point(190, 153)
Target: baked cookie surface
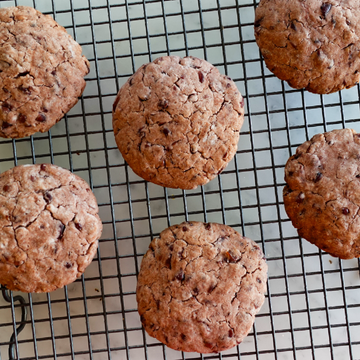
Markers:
point(322, 195)
point(200, 286)
point(41, 72)
point(177, 121)
point(311, 44)
point(49, 227)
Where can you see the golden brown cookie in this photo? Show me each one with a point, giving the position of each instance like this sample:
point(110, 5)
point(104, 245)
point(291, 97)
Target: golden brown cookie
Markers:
point(177, 121)
point(311, 44)
point(41, 72)
point(322, 195)
point(49, 227)
point(200, 286)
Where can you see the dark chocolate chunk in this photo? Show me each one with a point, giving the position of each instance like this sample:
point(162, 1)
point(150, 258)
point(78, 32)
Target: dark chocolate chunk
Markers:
point(163, 104)
point(78, 226)
point(61, 231)
point(345, 211)
point(325, 8)
point(166, 131)
point(47, 197)
point(6, 107)
point(168, 262)
point(68, 265)
point(41, 118)
point(201, 77)
point(22, 118)
point(318, 177)
point(180, 276)
point(6, 125)
point(6, 188)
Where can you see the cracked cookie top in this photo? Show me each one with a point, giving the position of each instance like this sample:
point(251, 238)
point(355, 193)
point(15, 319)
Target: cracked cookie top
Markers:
point(41, 72)
point(200, 286)
point(322, 195)
point(311, 44)
point(49, 227)
point(177, 121)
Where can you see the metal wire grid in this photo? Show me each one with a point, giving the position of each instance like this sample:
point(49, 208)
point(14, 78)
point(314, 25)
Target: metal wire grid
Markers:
point(312, 307)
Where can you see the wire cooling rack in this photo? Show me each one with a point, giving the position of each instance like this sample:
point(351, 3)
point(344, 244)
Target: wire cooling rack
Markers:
point(312, 307)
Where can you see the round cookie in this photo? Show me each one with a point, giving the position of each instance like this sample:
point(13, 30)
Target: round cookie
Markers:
point(200, 286)
point(311, 44)
point(177, 121)
point(322, 195)
point(49, 227)
point(41, 72)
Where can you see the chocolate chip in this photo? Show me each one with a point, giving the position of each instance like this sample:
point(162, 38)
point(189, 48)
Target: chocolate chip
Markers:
point(348, 22)
point(166, 131)
point(6, 107)
point(230, 257)
point(53, 72)
point(61, 231)
point(43, 167)
point(41, 118)
point(21, 118)
point(357, 176)
point(25, 90)
point(168, 262)
point(231, 333)
point(185, 228)
point(158, 304)
point(45, 110)
point(258, 22)
point(201, 77)
point(208, 345)
point(6, 125)
point(300, 198)
point(42, 226)
point(345, 211)
point(78, 226)
point(292, 25)
point(228, 85)
point(163, 104)
point(180, 276)
point(5, 90)
point(47, 197)
point(68, 265)
point(258, 280)
point(183, 337)
point(6, 188)
point(208, 226)
point(325, 8)
point(196, 291)
point(318, 177)
point(211, 288)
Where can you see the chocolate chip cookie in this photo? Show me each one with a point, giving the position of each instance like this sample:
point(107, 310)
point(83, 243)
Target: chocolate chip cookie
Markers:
point(49, 227)
point(177, 121)
point(41, 72)
point(200, 286)
point(311, 44)
point(322, 195)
